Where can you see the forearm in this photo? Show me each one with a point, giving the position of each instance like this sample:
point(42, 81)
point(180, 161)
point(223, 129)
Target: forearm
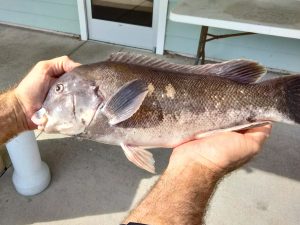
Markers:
point(179, 197)
point(12, 117)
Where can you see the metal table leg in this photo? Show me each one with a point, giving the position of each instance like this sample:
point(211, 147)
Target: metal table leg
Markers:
point(201, 46)
point(203, 39)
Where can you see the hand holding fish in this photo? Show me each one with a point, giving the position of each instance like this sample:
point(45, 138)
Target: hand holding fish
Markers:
point(223, 152)
point(19, 104)
point(183, 191)
point(32, 90)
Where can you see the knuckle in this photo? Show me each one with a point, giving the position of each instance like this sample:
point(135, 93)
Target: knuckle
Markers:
point(42, 66)
point(43, 63)
point(65, 57)
point(256, 148)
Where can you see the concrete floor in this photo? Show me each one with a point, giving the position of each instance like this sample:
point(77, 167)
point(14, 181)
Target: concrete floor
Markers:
point(94, 183)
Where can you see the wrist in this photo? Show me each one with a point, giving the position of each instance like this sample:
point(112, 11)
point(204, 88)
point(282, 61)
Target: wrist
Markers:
point(12, 117)
point(195, 167)
point(20, 112)
point(179, 162)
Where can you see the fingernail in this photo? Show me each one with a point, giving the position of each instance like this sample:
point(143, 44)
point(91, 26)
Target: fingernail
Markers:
point(39, 117)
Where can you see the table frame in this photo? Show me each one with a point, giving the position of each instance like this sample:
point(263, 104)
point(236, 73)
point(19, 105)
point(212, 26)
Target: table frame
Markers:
point(180, 14)
point(204, 38)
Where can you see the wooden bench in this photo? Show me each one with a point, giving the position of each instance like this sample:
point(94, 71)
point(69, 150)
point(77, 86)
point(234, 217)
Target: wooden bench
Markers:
point(269, 17)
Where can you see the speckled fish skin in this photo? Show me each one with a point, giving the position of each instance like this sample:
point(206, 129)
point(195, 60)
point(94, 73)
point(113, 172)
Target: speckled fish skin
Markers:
point(139, 102)
point(178, 106)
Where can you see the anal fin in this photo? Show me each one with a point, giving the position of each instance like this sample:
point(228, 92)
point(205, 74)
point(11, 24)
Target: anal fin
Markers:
point(140, 157)
point(235, 128)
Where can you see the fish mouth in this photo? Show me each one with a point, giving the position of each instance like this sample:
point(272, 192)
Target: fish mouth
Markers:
point(40, 118)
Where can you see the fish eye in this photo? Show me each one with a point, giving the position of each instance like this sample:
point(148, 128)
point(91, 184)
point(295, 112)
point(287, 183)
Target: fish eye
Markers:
point(59, 88)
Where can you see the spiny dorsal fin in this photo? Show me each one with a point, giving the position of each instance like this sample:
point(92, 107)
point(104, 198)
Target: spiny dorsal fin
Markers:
point(242, 71)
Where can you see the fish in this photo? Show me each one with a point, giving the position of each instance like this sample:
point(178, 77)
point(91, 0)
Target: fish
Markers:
point(140, 102)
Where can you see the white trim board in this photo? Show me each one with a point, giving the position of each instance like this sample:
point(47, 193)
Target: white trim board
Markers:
point(22, 26)
point(81, 4)
point(161, 27)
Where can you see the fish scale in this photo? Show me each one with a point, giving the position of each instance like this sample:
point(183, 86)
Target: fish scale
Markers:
point(196, 101)
point(139, 102)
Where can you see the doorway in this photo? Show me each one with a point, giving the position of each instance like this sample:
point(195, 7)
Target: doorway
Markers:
point(126, 22)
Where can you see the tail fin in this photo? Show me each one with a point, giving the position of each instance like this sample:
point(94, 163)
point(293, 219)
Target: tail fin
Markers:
point(292, 97)
point(285, 94)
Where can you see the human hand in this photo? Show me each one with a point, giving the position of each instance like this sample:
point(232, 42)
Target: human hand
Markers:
point(32, 90)
point(223, 152)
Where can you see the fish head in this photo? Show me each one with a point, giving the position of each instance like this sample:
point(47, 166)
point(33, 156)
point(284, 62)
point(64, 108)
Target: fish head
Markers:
point(69, 106)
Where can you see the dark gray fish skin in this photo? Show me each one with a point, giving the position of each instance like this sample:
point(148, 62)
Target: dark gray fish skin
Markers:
point(137, 102)
point(194, 104)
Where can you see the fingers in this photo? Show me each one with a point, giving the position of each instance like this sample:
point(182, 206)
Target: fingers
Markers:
point(70, 64)
point(58, 66)
point(63, 64)
point(227, 150)
point(259, 134)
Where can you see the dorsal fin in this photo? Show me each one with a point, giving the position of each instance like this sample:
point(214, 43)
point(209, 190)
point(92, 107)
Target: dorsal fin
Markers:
point(242, 71)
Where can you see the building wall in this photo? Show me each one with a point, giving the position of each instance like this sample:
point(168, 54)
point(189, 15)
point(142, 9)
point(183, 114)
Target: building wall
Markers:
point(274, 52)
point(57, 15)
point(61, 15)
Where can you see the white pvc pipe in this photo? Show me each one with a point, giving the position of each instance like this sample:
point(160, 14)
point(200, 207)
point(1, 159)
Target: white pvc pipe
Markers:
point(31, 175)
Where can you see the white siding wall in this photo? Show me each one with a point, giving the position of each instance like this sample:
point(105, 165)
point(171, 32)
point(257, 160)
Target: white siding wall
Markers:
point(46, 14)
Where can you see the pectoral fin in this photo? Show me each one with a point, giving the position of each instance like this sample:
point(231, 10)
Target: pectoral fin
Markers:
point(235, 128)
point(140, 157)
point(126, 101)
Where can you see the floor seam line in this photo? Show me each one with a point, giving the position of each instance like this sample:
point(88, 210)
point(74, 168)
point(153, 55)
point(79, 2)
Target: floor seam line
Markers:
point(75, 49)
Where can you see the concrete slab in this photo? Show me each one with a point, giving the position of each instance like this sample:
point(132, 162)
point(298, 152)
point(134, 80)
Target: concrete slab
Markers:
point(171, 57)
point(22, 48)
point(266, 188)
point(94, 183)
point(92, 51)
point(88, 180)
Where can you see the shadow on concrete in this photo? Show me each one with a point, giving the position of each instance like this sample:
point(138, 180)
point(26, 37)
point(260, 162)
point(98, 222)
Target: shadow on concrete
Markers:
point(281, 153)
point(88, 179)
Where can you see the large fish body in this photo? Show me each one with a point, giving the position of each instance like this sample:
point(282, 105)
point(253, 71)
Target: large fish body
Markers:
point(140, 102)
